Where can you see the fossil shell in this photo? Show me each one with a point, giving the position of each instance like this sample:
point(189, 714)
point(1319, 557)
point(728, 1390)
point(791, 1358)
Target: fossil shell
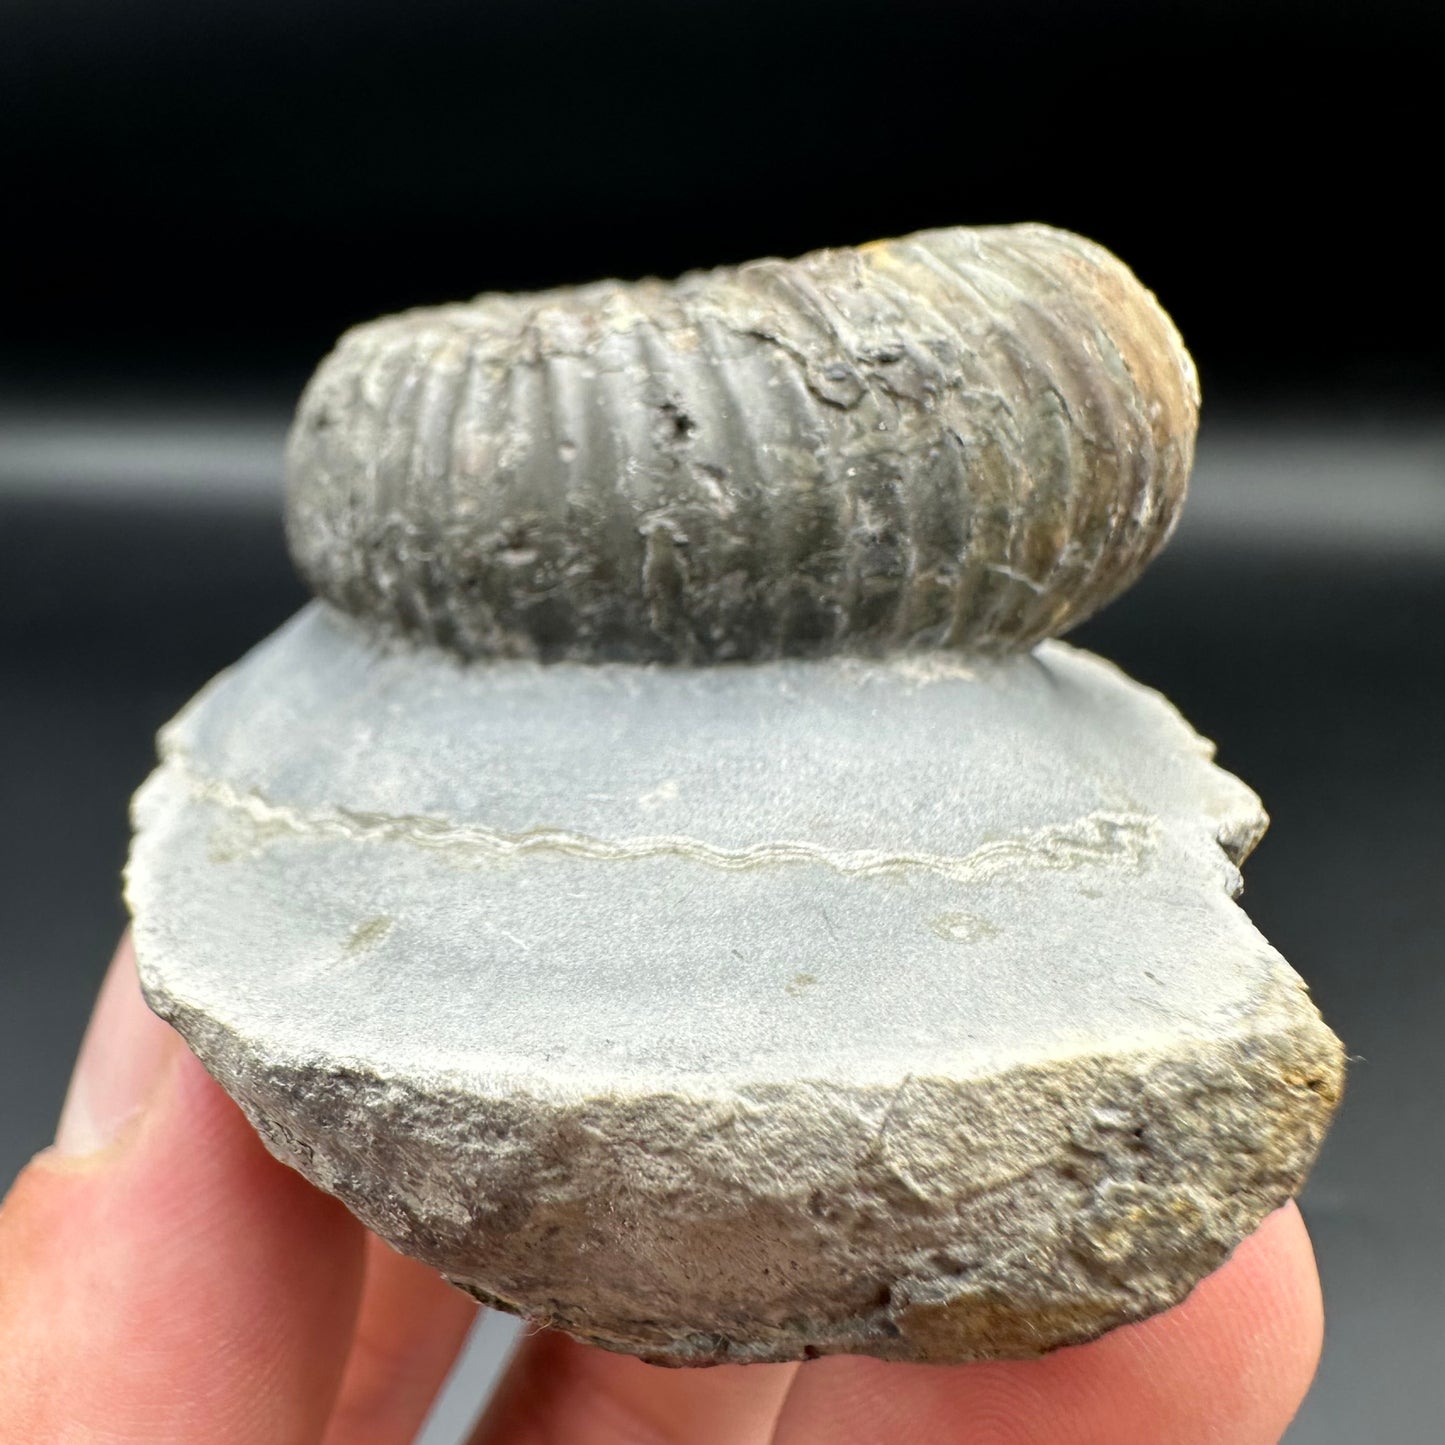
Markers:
point(966, 438)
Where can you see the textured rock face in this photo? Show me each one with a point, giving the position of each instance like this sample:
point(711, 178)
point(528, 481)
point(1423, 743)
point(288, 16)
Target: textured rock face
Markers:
point(747, 1013)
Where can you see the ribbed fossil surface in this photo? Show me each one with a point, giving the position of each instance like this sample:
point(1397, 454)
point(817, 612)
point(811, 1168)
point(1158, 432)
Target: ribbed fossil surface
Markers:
point(968, 439)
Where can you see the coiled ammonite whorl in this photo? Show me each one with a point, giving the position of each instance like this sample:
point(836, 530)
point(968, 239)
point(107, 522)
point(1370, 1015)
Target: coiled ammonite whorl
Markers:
point(966, 439)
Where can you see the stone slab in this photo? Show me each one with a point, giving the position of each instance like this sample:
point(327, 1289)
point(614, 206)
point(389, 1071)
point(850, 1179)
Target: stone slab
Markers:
point(748, 1012)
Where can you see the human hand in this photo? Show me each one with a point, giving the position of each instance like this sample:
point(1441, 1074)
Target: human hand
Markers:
point(164, 1280)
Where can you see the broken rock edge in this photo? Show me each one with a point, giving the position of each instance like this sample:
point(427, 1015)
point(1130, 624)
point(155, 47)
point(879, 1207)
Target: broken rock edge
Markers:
point(1010, 1312)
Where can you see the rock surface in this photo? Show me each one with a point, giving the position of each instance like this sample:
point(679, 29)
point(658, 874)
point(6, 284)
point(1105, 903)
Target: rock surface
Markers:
point(740, 1013)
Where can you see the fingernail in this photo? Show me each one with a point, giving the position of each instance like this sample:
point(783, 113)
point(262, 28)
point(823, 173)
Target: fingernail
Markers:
point(124, 1055)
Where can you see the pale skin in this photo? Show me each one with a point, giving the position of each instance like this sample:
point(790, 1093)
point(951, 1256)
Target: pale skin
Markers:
point(164, 1280)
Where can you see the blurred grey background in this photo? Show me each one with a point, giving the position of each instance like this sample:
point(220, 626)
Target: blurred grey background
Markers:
point(207, 195)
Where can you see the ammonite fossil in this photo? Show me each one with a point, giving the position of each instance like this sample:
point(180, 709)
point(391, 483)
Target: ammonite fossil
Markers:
point(661, 883)
point(964, 439)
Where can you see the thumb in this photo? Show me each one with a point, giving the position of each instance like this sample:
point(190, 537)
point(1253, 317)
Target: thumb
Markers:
point(162, 1278)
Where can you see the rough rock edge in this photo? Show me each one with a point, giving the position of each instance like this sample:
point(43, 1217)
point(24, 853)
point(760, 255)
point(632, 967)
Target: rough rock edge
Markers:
point(1120, 1230)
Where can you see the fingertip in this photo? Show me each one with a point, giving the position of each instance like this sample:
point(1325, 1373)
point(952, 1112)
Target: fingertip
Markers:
point(123, 1056)
point(173, 1281)
point(1258, 1320)
point(1237, 1356)
point(411, 1325)
point(557, 1388)
point(1232, 1362)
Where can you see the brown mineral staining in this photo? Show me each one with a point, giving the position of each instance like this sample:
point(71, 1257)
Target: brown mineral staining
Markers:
point(968, 439)
point(988, 1325)
point(368, 934)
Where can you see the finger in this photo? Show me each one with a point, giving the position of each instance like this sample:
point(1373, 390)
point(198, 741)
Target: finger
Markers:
point(557, 1389)
point(411, 1325)
point(162, 1278)
point(1231, 1363)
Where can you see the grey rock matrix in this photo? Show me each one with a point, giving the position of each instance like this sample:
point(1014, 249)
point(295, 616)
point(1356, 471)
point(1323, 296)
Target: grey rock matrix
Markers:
point(881, 993)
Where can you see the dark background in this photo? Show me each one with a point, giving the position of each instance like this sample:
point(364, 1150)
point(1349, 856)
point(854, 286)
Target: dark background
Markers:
point(201, 196)
point(217, 189)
